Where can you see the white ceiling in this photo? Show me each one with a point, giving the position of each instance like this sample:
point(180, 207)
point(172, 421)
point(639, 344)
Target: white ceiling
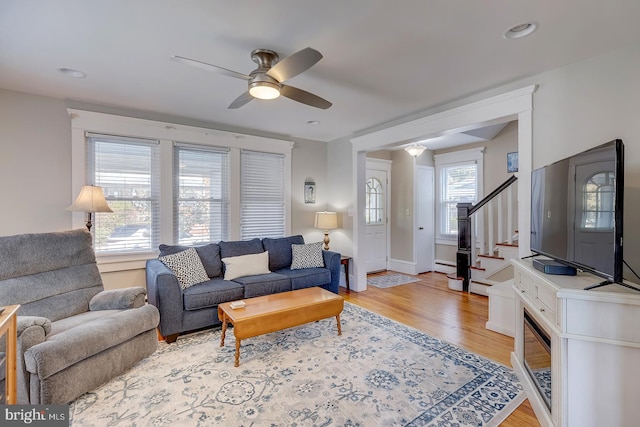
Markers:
point(382, 60)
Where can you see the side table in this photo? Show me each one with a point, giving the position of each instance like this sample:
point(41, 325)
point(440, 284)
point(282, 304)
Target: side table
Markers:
point(8, 328)
point(344, 260)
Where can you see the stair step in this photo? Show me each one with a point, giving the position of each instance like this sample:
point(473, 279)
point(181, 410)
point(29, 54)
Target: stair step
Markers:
point(491, 256)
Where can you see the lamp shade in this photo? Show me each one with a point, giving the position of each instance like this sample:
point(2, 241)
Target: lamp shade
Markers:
point(415, 149)
point(326, 220)
point(90, 199)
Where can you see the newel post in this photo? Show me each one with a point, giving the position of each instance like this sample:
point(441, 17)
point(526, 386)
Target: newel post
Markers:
point(463, 256)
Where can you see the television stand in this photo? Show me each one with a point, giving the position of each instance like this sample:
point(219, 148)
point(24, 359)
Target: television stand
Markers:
point(609, 282)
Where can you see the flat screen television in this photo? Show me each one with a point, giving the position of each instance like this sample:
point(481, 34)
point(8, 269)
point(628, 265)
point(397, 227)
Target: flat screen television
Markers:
point(577, 211)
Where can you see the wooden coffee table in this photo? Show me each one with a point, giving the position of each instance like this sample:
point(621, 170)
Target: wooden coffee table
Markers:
point(271, 313)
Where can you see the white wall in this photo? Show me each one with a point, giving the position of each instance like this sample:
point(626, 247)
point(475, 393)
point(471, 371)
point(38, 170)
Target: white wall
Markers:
point(35, 172)
point(577, 107)
point(582, 105)
point(35, 164)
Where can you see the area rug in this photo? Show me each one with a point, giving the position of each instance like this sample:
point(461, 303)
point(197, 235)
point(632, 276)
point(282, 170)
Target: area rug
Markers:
point(390, 280)
point(377, 373)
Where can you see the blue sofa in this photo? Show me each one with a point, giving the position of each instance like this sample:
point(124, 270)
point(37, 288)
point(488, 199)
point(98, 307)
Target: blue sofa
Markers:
point(196, 307)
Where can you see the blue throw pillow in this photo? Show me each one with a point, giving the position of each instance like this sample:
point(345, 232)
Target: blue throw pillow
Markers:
point(280, 250)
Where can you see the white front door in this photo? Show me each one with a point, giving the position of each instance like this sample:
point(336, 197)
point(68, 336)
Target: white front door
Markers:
point(376, 220)
point(424, 236)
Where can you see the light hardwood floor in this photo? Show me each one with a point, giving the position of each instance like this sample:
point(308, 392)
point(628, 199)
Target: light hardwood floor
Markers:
point(459, 318)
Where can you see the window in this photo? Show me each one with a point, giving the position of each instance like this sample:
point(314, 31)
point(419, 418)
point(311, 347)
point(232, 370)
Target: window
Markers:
point(459, 180)
point(262, 195)
point(374, 209)
point(459, 185)
point(201, 192)
point(176, 184)
point(598, 202)
point(128, 171)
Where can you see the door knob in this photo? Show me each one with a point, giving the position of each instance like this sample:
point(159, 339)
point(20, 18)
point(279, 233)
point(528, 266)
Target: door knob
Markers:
point(420, 228)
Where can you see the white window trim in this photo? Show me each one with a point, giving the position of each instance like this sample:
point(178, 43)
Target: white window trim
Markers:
point(462, 156)
point(88, 121)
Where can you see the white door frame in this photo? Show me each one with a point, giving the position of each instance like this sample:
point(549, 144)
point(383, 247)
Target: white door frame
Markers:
point(514, 105)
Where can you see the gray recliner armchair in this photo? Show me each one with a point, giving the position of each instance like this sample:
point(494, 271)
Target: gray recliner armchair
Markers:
point(72, 334)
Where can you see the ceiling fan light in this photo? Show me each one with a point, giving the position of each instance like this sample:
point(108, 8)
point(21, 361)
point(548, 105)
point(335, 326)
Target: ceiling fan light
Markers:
point(264, 90)
point(415, 149)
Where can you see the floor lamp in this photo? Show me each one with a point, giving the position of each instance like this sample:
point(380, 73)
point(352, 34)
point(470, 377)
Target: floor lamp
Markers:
point(326, 221)
point(91, 199)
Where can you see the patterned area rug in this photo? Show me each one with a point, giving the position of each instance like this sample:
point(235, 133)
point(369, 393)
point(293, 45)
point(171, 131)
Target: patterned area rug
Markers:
point(378, 373)
point(390, 280)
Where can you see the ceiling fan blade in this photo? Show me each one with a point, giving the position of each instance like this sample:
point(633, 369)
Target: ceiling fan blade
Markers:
point(209, 67)
point(240, 101)
point(295, 64)
point(304, 97)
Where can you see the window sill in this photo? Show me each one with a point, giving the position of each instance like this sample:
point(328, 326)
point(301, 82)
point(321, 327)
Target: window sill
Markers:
point(110, 263)
point(447, 241)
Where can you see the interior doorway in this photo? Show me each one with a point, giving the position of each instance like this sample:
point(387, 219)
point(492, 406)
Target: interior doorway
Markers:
point(376, 213)
point(424, 236)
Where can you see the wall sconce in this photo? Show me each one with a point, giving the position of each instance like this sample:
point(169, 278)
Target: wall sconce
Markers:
point(415, 149)
point(91, 199)
point(326, 221)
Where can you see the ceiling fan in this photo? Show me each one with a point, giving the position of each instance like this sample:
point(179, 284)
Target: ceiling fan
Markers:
point(266, 81)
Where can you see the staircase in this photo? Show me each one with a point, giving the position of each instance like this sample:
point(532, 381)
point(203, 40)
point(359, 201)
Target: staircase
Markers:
point(479, 268)
point(491, 270)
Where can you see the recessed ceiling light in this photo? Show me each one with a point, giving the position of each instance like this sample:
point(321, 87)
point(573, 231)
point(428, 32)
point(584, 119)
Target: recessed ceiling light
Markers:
point(72, 73)
point(313, 122)
point(520, 30)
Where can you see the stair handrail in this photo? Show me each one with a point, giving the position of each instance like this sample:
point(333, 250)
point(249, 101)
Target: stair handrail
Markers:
point(493, 194)
point(465, 210)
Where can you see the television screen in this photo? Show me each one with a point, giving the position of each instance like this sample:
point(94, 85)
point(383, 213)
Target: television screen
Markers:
point(577, 210)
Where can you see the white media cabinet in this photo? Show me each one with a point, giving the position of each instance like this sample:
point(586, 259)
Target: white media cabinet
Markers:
point(595, 348)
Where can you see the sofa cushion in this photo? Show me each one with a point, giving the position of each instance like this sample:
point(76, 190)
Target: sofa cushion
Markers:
point(280, 250)
point(246, 265)
point(187, 267)
point(211, 293)
point(209, 255)
point(307, 256)
point(264, 284)
point(307, 277)
point(240, 247)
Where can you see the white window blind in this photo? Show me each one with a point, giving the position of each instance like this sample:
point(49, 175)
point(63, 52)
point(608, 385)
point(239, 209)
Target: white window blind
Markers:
point(262, 193)
point(128, 170)
point(459, 184)
point(201, 194)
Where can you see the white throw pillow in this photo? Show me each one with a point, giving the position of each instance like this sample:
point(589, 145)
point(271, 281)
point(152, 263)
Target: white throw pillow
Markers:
point(246, 265)
point(187, 266)
point(307, 256)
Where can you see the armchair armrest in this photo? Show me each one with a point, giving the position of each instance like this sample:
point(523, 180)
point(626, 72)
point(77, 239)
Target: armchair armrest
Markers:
point(166, 294)
point(31, 330)
point(118, 299)
point(332, 262)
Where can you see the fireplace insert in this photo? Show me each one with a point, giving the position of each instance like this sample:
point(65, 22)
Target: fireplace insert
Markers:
point(537, 356)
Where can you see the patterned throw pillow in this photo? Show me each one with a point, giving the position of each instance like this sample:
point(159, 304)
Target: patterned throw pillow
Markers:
point(187, 267)
point(307, 256)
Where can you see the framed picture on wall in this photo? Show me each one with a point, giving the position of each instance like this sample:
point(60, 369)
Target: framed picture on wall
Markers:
point(310, 192)
point(512, 162)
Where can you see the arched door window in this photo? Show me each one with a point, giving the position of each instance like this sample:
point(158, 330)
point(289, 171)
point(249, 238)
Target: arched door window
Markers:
point(598, 201)
point(374, 206)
